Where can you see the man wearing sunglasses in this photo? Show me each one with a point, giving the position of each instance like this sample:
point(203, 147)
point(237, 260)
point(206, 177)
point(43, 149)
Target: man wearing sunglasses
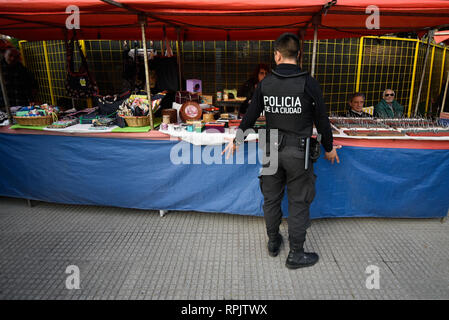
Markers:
point(388, 107)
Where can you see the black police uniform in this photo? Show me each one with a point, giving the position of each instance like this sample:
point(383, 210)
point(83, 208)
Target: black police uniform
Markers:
point(293, 102)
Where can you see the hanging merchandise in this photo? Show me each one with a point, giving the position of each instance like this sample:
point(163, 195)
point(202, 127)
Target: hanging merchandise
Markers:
point(79, 84)
point(134, 67)
point(167, 73)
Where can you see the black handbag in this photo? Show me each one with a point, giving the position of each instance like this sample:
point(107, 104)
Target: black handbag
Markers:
point(79, 84)
point(109, 104)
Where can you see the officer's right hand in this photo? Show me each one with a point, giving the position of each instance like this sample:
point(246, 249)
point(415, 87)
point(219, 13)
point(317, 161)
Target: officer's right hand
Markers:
point(332, 155)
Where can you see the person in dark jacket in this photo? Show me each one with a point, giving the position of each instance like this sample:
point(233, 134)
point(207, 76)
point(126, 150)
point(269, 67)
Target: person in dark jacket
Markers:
point(21, 86)
point(388, 107)
point(356, 103)
point(248, 88)
point(293, 102)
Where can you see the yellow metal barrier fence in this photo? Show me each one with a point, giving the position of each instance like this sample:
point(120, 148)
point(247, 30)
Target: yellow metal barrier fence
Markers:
point(368, 65)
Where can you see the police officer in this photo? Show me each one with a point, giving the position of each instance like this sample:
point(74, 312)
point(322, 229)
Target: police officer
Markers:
point(293, 102)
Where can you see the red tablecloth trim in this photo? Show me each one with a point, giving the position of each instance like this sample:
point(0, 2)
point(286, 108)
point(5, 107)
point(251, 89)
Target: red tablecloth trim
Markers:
point(157, 135)
point(392, 143)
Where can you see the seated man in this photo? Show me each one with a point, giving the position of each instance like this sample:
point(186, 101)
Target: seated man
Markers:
point(388, 107)
point(356, 103)
point(248, 88)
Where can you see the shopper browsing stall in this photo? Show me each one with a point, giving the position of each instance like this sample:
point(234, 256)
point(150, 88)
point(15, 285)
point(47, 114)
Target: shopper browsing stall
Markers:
point(288, 88)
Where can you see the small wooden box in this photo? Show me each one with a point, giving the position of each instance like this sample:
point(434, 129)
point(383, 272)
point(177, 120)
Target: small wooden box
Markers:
point(234, 123)
point(207, 99)
point(214, 127)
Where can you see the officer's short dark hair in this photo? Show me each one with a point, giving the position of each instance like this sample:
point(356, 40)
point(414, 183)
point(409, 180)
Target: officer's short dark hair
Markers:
point(357, 94)
point(288, 45)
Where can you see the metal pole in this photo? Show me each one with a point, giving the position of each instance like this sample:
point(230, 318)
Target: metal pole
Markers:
point(413, 79)
point(147, 71)
point(430, 80)
point(315, 40)
point(442, 69)
point(21, 52)
point(83, 49)
point(5, 95)
point(429, 36)
point(359, 65)
point(47, 66)
point(445, 93)
point(178, 57)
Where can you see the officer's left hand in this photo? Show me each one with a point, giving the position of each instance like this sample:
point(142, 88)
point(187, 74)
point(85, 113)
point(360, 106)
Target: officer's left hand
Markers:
point(230, 148)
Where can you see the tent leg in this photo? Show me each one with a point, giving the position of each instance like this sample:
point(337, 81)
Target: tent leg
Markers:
point(178, 56)
point(162, 213)
point(5, 96)
point(147, 71)
point(429, 35)
point(315, 40)
point(29, 203)
point(444, 219)
point(444, 96)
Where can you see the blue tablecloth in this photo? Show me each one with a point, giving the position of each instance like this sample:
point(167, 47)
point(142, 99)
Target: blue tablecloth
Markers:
point(369, 182)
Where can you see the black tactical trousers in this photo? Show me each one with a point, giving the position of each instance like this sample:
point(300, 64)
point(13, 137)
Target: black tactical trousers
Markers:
point(300, 185)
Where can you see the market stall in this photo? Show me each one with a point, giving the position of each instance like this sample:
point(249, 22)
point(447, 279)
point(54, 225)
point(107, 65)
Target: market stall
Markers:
point(218, 19)
point(387, 178)
point(178, 168)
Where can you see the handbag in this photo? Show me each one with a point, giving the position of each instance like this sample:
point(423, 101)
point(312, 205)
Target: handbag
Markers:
point(110, 104)
point(79, 84)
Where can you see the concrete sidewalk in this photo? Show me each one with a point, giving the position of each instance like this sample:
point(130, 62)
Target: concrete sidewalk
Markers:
point(135, 254)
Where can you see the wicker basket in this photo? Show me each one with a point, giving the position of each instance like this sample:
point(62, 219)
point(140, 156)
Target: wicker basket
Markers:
point(137, 121)
point(34, 121)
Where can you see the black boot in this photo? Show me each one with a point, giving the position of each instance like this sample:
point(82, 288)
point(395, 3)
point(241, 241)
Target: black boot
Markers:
point(297, 258)
point(274, 243)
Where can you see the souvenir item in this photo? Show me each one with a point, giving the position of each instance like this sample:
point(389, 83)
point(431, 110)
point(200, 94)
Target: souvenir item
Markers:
point(215, 127)
point(194, 85)
point(165, 119)
point(208, 117)
point(109, 104)
point(63, 124)
point(190, 111)
point(172, 113)
point(184, 96)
